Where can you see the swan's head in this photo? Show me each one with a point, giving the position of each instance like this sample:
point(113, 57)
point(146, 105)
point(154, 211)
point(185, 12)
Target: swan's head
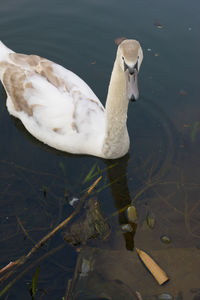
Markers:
point(130, 57)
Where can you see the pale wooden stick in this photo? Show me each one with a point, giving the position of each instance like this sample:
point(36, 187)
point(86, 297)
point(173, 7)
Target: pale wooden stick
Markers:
point(93, 185)
point(65, 222)
point(160, 276)
point(24, 259)
point(138, 295)
point(7, 267)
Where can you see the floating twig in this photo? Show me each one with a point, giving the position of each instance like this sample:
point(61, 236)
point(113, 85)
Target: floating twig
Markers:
point(160, 276)
point(11, 283)
point(10, 265)
point(93, 186)
point(138, 295)
point(65, 222)
point(24, 259)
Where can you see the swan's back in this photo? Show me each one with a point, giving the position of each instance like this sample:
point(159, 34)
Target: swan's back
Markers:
point(53, 103)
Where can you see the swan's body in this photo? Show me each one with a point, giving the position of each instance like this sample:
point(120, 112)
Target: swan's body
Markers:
point(59, 109)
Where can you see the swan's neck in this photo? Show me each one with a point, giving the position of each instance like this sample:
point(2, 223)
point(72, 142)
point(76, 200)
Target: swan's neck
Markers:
point(116, 142)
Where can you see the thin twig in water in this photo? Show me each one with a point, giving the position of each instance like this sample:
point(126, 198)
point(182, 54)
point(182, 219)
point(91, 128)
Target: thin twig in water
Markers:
point(194, 207)
point(165, 199)
point(24, 230)
point(67, 296)
point(24, 259)
point(28, 170)
point(11, 283)
point(144, 189)
point(138, 295)
point(65, 222)
point(7, 267)
point(187, 218)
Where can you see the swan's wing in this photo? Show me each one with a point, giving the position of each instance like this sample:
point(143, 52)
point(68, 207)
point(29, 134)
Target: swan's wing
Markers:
point(54, 97)
point(61, 78)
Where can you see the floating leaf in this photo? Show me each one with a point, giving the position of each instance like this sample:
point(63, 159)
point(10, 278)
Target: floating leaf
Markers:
point(160, 276)
point(165, 239)
point(151, 220)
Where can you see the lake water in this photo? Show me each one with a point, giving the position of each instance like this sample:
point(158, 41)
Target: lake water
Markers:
point(160, 175)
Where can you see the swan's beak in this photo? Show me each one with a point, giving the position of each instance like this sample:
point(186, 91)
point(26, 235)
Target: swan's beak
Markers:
point(132, 83)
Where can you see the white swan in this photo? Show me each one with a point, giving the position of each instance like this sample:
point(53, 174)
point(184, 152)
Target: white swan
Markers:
point(59, 109)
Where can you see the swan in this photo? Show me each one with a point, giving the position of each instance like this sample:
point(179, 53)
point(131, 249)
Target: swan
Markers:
point(58, 108)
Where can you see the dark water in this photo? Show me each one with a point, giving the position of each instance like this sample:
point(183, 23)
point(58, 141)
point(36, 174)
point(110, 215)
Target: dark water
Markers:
point(164, 128)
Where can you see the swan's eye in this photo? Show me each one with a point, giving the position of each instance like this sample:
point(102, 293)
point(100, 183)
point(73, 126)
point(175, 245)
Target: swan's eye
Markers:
point(122, 57)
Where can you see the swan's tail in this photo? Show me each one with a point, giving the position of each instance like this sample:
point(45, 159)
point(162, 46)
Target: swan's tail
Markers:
point(4, 51)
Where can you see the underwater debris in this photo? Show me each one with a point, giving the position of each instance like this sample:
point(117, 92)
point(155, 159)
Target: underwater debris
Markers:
point(165, 239)
point(132, 214)
point(151, 220)
point(90, 224)
point(73, 202)
point(126, 228)
point(160, 276)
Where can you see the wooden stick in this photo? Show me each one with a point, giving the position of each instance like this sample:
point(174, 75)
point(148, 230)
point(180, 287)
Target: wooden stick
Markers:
point(11, 283)
point(160, 276)
point(8, 266)
point(93, 185)
point(138, 295)
point(23, 259)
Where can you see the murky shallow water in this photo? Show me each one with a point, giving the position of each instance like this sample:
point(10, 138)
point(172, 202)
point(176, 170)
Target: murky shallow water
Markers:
point(163, 126)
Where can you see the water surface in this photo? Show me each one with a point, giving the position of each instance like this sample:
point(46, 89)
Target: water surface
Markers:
point(164, 128)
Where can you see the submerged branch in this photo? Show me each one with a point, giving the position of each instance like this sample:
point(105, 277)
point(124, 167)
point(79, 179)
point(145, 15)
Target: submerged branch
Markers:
point(11, 283)
point(24, 259)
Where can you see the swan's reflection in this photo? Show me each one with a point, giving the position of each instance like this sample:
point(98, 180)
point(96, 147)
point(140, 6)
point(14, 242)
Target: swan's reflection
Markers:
point(117, 177)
